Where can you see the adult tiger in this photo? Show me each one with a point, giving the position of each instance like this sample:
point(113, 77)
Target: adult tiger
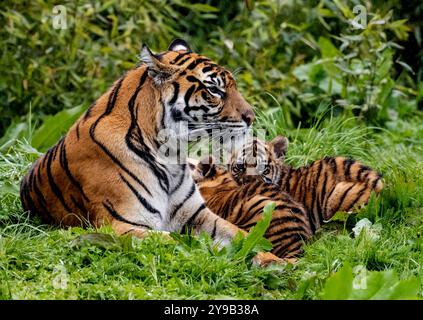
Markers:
point(243, 206)
point(108, 167)
point(324, 187)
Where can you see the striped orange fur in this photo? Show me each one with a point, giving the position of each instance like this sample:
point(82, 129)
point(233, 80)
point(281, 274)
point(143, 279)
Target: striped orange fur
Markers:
point(243, 206)
point(324, 187)
point(108, 168)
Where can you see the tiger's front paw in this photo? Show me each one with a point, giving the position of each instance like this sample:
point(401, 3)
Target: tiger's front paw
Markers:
point(263, 259)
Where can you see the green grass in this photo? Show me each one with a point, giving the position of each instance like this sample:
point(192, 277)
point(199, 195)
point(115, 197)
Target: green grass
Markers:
point(41, 262)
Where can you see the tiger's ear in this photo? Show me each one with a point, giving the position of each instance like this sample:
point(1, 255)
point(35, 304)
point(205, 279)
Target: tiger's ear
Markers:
point(279, 145)
point(179, 45)
point(159, 71)
point(206, 166)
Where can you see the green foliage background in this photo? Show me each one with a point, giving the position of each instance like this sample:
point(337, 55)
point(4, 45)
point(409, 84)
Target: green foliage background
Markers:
point(297, 56)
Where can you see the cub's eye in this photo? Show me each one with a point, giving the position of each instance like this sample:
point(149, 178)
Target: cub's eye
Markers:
point(239, 167)
point(214, 90)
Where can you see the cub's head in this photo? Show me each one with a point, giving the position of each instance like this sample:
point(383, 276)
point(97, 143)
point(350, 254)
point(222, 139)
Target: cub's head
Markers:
point(261, 159)
point(197, 90)
point(207, 174)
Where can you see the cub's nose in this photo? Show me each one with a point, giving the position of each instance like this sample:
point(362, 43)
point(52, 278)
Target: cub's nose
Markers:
point(248, 117)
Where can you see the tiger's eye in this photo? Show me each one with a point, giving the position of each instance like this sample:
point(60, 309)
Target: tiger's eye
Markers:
point(239, 167)
point(214, 90)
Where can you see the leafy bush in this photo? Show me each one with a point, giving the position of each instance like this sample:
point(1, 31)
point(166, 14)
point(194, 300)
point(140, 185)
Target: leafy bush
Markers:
point(52, 69)
point(286, 55)
point(374, 285)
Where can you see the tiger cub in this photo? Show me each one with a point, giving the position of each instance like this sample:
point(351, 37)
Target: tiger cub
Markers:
point(243, 205)
point(324, 187)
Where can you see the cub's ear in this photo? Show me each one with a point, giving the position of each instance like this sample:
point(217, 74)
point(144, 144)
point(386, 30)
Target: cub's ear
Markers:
point(207, 166)
point(159, 71)
point(179, 45)
point(279, 145)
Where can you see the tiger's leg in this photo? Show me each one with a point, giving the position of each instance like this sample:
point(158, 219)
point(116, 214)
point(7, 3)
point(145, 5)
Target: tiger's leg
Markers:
point(126, 216)
point(289, 229)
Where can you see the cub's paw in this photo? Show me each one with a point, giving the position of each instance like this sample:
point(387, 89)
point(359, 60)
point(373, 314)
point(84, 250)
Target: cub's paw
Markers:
point(263, 259)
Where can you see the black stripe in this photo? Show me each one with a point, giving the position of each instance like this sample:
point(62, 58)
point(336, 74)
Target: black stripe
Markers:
point(127, 231)
point(188, 95)
point(196, 80)
point(207, 69)
point(257, 203)
point(162, 120)
point(79, 205)
point(40, 197)
point(193, 217)
point(287, 231)
point(181, 179)
point(203, 108)
point(297, 176)
point(65, 166)
point(313, 191)
point(325, 203)
point(31, 179)
point(247, 226)
point(56, 148)
point(183, 61)
point(110, 105)
point(359, 172)
point(135, 141)
point(175, 93)
point(278, 221)
point(196, 62)
point(287, 249)
point(303, 187)
point(287, 185)
point(140, 198)
point(213, 234)
point(347, 168)
point(88, 112)
point(360, 193)
point(77, 130)
point(45, 157)
point(176, 209)
point(109, 206)
point(343, 198)
point(53, 185)
point(332, 162)
point(322, 194)
point(375, 182)
point(179, 57)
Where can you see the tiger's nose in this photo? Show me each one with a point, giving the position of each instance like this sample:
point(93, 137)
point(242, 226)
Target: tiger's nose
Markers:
point(248, 117)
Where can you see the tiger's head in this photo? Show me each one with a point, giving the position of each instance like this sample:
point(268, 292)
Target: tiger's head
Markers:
point(197, 91)
point(261, 159)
